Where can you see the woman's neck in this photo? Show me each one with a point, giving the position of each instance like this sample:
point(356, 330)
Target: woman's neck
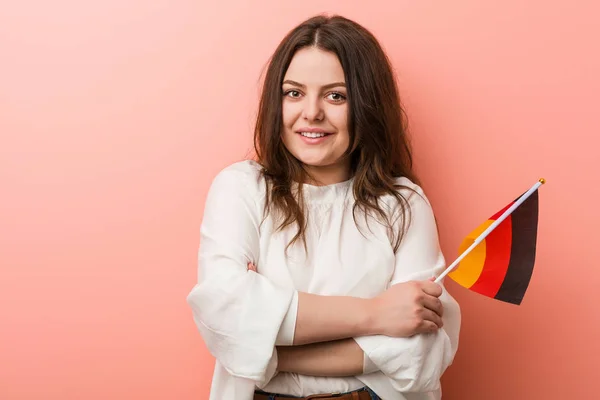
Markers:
point(327, 175)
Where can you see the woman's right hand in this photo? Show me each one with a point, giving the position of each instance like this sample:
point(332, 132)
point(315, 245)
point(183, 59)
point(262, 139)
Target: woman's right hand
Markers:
point(408, 308)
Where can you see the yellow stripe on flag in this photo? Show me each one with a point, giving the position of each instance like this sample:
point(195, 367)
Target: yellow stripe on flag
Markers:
point(469, 269)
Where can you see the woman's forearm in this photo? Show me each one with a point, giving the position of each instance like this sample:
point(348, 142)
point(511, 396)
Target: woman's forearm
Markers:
point(337, 358)
point(328, 318)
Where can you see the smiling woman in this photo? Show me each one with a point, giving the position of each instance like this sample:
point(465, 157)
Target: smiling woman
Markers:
point(315, 115)
point(316, 257)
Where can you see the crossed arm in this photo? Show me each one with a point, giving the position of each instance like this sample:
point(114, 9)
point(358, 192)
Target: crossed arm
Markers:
point(335, 358)
point(317, 352)
point(340, 357)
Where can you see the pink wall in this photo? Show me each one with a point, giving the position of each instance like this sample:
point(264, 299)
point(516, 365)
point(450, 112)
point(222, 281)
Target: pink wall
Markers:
point(115, 115)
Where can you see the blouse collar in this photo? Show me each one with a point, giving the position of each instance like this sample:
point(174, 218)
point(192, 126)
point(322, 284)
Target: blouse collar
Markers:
point(327, 193)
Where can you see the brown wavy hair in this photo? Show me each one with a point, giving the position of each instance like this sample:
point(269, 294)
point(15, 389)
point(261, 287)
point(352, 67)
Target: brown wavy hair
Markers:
point(379, 149)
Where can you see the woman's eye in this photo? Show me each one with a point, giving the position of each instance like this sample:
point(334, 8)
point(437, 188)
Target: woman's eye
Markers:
point(335, 96)
point(292, 93)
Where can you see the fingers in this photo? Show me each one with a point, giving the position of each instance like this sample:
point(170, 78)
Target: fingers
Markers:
point(427, 327)
point(431, 317)
point(251, 267)
point(431, 288)
point(433, 303)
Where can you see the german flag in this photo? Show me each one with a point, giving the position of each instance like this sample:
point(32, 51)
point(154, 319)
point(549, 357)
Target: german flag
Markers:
point(501, 265)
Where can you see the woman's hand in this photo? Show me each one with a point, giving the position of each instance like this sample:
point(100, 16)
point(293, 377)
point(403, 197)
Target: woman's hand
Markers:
point(409, 308)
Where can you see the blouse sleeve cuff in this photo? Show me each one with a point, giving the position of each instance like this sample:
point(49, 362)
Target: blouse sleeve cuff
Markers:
point(285, 337)
point(368, 365)
point(271, 371)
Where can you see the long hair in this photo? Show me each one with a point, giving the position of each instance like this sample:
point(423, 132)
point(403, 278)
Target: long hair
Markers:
point(379, 149)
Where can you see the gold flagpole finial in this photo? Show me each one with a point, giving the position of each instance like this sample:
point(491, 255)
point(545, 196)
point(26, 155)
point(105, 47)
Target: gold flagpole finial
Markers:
point(542, 181)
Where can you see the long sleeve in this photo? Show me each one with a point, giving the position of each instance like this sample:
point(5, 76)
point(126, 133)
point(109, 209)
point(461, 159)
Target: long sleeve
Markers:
point(416, 364)
point(240, 314)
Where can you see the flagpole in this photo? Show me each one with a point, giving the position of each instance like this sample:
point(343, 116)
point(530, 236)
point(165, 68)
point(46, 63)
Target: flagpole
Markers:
point(491, 228)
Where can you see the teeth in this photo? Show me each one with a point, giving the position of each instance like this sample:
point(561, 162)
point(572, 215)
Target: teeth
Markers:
point(312, 134)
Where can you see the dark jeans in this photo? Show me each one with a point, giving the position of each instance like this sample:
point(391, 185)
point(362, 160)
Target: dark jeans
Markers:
point(272, 395)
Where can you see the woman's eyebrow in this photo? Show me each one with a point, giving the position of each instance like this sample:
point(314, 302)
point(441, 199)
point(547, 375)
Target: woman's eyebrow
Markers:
point(328, 86)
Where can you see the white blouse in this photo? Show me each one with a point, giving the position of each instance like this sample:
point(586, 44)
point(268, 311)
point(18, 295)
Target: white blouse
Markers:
point(242, 315)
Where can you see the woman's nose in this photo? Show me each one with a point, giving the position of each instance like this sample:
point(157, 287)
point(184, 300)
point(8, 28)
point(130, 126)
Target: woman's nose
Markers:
point(313, 110)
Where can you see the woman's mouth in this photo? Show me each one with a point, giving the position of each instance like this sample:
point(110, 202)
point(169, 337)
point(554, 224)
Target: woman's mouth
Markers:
point(313, 137)
point(313, 134)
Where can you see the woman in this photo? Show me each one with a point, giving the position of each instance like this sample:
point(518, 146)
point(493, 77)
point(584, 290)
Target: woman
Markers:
point(316, 259)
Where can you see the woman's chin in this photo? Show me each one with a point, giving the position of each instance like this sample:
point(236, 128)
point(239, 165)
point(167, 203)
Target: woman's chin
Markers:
point(314, 162)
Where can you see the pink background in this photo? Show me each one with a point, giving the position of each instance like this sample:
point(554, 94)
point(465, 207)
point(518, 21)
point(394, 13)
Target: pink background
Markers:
point(115, 115)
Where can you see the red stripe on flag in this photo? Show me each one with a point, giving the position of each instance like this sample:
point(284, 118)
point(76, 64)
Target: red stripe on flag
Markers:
point(499, 213)
point(498, 247)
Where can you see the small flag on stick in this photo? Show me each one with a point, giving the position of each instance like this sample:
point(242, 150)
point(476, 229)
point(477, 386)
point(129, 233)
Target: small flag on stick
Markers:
point(497, 258)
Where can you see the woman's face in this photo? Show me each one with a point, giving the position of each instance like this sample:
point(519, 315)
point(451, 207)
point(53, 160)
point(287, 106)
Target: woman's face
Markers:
point(315, 114)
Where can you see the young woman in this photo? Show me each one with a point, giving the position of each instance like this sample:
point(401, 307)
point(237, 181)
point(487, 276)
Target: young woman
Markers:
point(316, 259)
